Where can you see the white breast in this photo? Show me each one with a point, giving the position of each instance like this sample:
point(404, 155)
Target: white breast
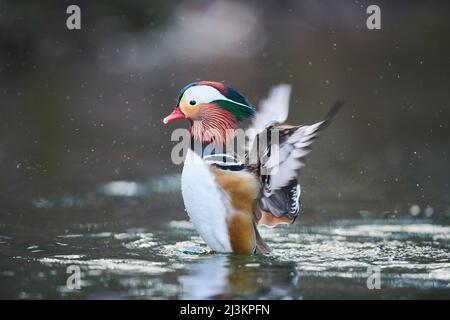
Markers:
point(206, 204)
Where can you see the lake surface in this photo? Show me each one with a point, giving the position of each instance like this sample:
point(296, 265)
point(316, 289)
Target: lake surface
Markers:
point(127, 245)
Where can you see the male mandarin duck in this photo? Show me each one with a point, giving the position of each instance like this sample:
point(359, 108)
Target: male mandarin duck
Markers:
point(225, 198)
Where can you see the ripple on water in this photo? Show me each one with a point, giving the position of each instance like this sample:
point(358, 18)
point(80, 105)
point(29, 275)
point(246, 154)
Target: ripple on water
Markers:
point(192, 248)
point(405, 249)
point(119, 266)
point(407, 253)
point(137, 240)
point(390, 230)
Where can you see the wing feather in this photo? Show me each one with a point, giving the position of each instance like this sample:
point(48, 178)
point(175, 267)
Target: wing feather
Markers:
point(278, 164)
point(288, 157)
point(273, 109)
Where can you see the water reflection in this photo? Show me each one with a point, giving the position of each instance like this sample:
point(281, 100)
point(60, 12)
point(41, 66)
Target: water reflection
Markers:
point(231, 276)
point(206, 280)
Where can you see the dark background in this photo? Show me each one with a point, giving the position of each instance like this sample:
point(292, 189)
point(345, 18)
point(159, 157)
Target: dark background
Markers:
point(83, 108)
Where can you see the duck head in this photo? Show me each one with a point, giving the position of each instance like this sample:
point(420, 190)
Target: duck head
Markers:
point(212, 109)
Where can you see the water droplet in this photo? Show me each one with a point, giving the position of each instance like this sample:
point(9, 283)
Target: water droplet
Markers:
point(414, 210)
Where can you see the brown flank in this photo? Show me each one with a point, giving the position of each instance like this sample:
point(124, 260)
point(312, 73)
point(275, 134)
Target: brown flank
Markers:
point(243, 189)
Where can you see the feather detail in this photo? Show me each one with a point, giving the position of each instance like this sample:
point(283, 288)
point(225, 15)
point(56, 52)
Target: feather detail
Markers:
point(273, 109)
point(288, 157)
point(277, 167)
point(206, 203)
point(240, 111)
point(243, 190)
point(215, 125)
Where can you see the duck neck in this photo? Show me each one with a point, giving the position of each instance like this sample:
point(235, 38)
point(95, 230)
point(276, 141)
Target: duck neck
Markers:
point(204, 149)
point(213, 129)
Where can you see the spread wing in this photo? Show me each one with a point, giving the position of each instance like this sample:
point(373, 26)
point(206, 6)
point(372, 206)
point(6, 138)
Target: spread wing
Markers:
point(273, 109)
point(278, 165)
point(287, 157)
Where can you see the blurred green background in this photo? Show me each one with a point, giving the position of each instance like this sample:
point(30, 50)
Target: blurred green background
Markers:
point(83, 108)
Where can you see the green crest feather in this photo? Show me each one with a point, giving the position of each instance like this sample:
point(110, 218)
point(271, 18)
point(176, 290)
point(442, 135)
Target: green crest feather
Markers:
point(238, 110)
point(240, 107)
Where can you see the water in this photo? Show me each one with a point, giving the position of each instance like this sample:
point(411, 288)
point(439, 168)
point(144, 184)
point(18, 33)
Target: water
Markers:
point(127, 244)
point(81, 133)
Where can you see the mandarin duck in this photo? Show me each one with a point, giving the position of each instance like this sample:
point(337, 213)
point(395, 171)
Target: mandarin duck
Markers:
point(227, 198)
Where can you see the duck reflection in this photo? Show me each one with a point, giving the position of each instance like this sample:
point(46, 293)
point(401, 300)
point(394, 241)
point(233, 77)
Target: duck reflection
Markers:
point(230, 276)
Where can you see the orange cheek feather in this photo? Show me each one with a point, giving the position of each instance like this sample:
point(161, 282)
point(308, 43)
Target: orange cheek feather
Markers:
point(190, 112)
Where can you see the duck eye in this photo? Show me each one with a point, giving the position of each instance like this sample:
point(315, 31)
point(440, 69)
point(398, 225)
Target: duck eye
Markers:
point(192, 102)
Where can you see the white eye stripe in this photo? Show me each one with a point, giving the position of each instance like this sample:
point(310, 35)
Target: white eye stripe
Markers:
point(203, 94)
point(206, 94)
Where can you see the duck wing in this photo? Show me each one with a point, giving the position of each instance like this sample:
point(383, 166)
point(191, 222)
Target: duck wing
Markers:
point(273, 109)
point(280, 150)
